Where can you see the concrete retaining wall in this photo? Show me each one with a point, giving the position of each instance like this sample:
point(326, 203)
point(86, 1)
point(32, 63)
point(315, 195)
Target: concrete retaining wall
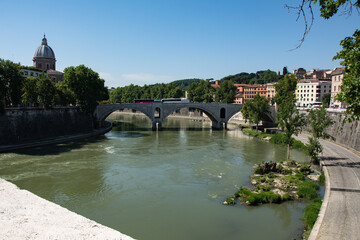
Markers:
point(347, 134)
point(21, 125)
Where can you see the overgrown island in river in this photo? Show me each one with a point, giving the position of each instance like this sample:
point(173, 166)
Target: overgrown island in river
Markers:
point(277, 182)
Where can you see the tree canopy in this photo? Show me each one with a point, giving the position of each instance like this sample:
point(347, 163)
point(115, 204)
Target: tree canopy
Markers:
point(226, 92)
point(255, 109)
point(288, 116)
point(260, 77)
point(201, 92)
point(350, 88)
point(10, 84)
point(87, 86)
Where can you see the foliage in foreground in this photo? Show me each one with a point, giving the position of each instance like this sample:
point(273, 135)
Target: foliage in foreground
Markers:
point(311, 213)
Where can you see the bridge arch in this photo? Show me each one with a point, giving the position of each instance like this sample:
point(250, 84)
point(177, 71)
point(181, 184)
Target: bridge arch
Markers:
point(157, 112)
point(104, 110)
point(173, 109)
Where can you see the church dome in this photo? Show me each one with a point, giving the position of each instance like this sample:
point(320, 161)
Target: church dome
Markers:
point(44, 51)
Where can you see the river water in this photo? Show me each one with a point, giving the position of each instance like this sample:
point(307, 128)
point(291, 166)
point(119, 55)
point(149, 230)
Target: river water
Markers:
point(159, 185)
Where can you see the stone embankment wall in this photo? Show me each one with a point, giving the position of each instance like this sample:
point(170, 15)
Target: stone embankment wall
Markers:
point(347, 134)
point(19, 125)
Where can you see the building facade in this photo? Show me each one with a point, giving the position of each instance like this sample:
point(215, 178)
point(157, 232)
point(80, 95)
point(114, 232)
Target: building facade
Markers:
point(336, 80)
point(311, 91)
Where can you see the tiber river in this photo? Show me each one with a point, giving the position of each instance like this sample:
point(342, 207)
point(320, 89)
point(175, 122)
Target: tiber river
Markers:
point(159, 185)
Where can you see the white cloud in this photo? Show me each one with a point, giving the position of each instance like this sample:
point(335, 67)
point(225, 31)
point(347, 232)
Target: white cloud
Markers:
point(133, 78)
point(147, 78)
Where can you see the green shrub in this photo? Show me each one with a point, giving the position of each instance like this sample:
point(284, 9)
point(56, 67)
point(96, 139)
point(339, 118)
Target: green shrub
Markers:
point(322, 178)
point(311, 213)
point(257, 170)
point(230, 201)
point(243, 192)
point(305, 168)
point(300, 176)
point(298, 144)
point(278, 138)
point(308, 190)
point(286, 197)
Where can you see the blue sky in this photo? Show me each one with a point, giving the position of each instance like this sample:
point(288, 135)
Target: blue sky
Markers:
point(150, 41)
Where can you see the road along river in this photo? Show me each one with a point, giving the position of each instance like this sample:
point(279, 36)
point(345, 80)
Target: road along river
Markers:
point(159, 185)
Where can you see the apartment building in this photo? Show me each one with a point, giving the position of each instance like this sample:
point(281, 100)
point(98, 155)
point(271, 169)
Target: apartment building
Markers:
point(309, 91)
point(336, 80)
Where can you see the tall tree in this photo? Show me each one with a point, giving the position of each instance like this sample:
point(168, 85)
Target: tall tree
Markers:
point(10, 84)
point(63, 95)
point(288, 116)
point(46, 91)
point(30, 92)
point(326, 100)
point(226, 92)
point(255, 109)
point(86, 85)
point(116, 95)
point(350, 88)
point(201, 92)
point(318, 120)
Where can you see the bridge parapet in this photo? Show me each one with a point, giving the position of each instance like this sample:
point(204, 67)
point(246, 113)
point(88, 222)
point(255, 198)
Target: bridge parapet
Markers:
point(157, 112)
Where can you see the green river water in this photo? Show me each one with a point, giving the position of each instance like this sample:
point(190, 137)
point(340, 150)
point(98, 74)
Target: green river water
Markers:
point(159, 185)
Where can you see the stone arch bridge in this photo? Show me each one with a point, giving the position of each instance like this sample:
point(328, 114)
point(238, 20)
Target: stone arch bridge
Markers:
point(157, 112)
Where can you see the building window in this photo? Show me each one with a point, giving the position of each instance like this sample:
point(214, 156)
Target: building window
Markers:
point(334, 88)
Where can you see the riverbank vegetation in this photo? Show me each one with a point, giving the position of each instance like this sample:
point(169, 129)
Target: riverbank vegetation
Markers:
point(81, 86)
point(277, 138)
point(277, 182)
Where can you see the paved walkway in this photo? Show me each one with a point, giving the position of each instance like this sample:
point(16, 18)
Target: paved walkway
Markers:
point(339, 216)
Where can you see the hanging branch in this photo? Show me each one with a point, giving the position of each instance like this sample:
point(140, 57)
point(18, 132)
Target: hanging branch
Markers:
point(302, 13)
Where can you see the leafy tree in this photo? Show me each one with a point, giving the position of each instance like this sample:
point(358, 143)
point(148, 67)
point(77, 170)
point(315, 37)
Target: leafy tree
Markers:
point(30, 92)
point(288, 116)
point(183, 84)
point(131, 92)
point(10, 84)
point(146, 92)
point(46, 90)
point(314, 148)
point(201, 92)
point(350, 88)
point(255, 109)
point(86, 85)
point(326, 100)
point(318, 121)
point(63, 95)
point(116, 95)
point(173, 91)
point(158, 91)
point(226, 92)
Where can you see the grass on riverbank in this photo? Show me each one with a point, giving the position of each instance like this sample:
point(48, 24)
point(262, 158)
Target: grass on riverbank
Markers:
point(277, 138)
point(311, 213)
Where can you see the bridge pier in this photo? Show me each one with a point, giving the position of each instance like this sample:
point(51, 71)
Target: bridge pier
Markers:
point(219, 125)
point(156, 125)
